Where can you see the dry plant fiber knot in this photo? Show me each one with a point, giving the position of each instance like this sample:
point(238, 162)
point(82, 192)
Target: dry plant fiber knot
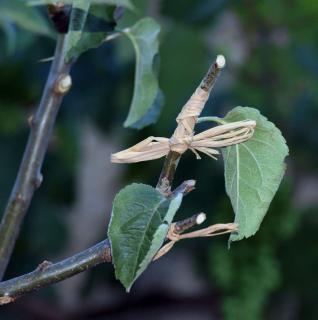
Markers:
point(211, 231)
point(183, 137)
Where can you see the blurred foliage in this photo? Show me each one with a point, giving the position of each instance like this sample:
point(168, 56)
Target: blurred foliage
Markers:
point(272, 53)
point(16, 13)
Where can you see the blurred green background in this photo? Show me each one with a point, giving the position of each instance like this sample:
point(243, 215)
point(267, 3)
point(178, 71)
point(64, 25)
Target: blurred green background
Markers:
point(272, 64)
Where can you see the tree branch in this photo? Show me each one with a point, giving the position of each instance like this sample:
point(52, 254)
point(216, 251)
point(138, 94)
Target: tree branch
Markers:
point(172, 160)
point(184, 188)
point(29, 177)
point(184, 225)
point(47, 273)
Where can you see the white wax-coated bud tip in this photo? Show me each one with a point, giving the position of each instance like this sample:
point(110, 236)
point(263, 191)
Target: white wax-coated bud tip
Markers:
point(201, 218)
point(220, 61)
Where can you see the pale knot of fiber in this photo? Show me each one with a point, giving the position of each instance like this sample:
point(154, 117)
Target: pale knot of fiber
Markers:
point(205, 142)
point(173, 237)
point(180, 144)
point(183, 137)
point(172, 234)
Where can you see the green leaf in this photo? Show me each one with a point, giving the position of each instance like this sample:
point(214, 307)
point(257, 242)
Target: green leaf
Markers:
point(147, 98)
point(139, 224)
point(253, 171)
point(89, 27)
point(77, 22)
point(10, 34)
point(30, 19)
point(99, 23)
point(123, 3)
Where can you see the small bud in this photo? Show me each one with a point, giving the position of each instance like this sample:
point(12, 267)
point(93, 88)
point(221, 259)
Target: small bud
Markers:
point(44, 265)
point(38, 180)
point(31, 121)
point(63, 84)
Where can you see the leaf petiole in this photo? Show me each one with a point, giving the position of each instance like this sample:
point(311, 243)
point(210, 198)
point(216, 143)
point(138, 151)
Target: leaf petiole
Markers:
point(214, 119)
point(113, 36)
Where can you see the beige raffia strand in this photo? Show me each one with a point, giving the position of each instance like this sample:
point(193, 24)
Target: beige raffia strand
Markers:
point(205, 142)
point(184, 139)
point(211, 231)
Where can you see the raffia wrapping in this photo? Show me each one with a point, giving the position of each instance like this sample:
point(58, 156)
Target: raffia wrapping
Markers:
point(183, 138)
point(211, 231)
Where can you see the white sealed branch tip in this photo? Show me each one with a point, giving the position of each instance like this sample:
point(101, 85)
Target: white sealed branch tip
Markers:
point(63, 84)
point(220, 61)
point(200, 218)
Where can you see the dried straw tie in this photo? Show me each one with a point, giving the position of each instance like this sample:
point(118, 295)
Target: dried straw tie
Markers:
point(210, 231)
point(183, 138)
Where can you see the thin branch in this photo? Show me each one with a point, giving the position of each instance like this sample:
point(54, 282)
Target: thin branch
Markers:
point(184, 188)
point(47, 273)
point(214, 119)
point(172, 160)
point(29, 177)
point(168, 171)
point(211, 76)
point(113, 36)
point(184, 225)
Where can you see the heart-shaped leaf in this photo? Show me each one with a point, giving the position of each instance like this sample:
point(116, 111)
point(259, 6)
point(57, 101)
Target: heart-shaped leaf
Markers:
point(253, 171)
point(147, 98)
point(139, 224)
